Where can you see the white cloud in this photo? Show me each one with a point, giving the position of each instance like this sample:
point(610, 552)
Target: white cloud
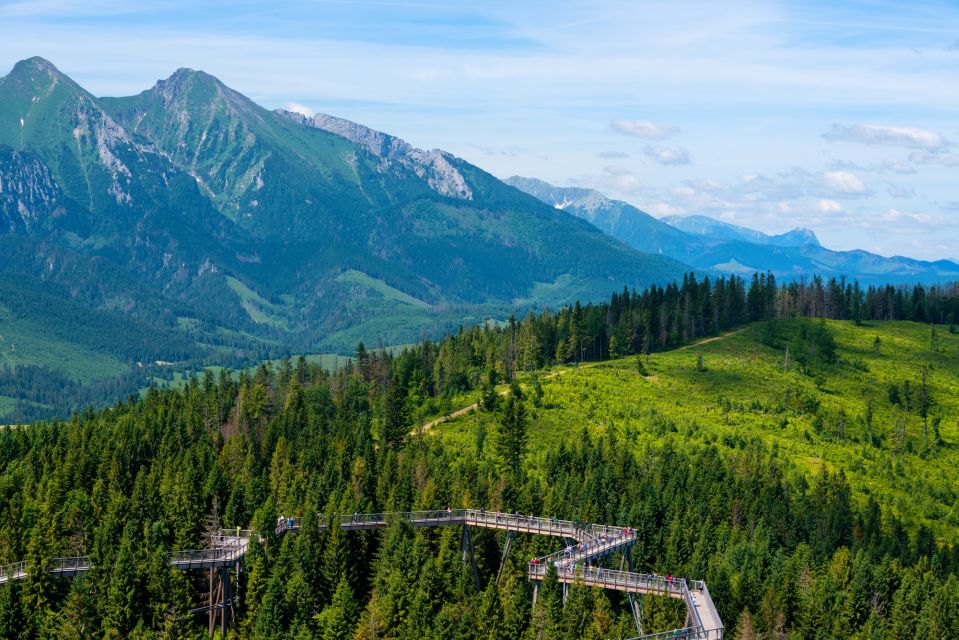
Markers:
point(844, 182)
point(888, 135)
point(897, 191)
point(628, 184)
point(944, 158)
point(613, 155)
point(643, 129)
point(667, 155)
point(616, 170)
point(886, 166)
point(685, 191)
point(828, 206)
point(895, 215)
point(612, 185)
point(895, 166)
point(296, 107)
point(660, 209)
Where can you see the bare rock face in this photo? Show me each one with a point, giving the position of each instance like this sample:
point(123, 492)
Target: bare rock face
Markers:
point(433, 166)
point(29, 195)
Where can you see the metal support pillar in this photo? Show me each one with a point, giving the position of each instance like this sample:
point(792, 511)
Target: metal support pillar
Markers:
point(565, 592)
point(467, 545)
point(227, 600)
point(211, 610)
point(635, 602)
point(502, 563)
point(535, 592)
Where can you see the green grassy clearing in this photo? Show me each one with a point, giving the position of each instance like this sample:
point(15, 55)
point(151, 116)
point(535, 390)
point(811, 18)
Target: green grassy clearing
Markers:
point(744, 396)
point(23, 343)
point(363, 280)
point(260, 310)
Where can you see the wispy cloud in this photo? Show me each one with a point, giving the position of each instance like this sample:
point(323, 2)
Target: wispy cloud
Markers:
point(612, 155)
point(944, 158)
point(844, 182)
point(899, 192)
point(828, 206)
point(888, 135)
point(667, 155)
point(886, 166)
point(643, 129)
point(616, 184)
point(296, 107)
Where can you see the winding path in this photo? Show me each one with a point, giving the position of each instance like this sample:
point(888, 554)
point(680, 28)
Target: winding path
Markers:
point(426, 426)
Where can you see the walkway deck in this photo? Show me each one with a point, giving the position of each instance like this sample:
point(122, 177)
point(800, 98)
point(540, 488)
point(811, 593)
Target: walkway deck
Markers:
point(591, 543)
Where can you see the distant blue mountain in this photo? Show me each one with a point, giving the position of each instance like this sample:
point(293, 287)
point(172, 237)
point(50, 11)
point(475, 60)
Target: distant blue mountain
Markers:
point(707, 243)
point(719, 230)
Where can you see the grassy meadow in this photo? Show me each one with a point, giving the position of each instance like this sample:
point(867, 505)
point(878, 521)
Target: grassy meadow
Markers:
point(22, 342)
point(737, 392)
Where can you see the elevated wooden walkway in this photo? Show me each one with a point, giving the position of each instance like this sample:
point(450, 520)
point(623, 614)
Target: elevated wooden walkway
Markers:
point(573, 564)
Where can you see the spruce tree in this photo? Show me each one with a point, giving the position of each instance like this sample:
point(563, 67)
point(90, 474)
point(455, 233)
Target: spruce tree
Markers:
point(336, 621)
point(511, 431)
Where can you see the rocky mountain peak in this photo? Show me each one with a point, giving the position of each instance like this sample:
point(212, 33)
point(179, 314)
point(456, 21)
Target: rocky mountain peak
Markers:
point(433, 166)
point(802, 236)
point(36, 77)
point(36, 64)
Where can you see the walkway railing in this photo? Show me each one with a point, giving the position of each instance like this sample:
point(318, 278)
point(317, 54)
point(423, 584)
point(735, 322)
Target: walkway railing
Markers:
point(593, 541)
point(378, 520)
point(585, 551)
point(14, 571)
point(612, 579)
point(530, 524)
point(697, 622)
point(70, 565)
point(684, 633)
point(473, 517)
point(677, 634)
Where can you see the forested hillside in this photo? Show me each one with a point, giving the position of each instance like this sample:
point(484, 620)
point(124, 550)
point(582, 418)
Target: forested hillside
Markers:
point(702, 455)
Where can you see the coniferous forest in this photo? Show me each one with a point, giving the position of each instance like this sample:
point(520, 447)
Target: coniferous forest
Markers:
point(785, 554)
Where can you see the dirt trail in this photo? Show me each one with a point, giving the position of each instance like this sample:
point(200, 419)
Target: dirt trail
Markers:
point(426, 426)
point(462, 412)
point(713, 339)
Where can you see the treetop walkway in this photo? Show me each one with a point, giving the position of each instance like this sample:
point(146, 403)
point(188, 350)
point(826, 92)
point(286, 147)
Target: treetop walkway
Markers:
point(586, 543)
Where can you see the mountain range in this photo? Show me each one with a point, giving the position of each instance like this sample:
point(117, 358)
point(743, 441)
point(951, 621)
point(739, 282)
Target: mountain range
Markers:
point(713, 245)
point(186, 226)
point(201, 227)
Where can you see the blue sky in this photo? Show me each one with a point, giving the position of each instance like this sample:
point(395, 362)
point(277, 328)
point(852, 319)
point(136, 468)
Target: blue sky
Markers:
point(837, 116)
